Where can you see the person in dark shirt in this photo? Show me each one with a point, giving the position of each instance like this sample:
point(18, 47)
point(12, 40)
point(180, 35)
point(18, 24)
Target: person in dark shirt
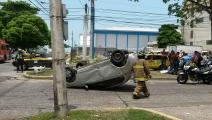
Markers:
point(20, 61)
point(163, 60)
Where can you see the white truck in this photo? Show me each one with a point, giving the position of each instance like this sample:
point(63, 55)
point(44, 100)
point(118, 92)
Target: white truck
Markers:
point(186, 48)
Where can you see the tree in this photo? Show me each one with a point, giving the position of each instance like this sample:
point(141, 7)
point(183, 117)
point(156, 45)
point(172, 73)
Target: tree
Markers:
point(26, 31)
point(19, 7)
point(20, 26)
point(188, 8)
point(13, 9)
point(168, 35)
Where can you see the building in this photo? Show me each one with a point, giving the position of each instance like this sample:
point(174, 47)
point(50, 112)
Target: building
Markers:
point(197, 31)
point(131, 39)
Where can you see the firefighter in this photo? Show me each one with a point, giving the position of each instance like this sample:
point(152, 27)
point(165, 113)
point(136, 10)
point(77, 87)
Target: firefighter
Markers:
point(20, 60)
point(141, 74)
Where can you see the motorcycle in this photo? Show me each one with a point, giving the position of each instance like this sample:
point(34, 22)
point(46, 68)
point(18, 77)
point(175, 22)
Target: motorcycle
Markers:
point(193, 73)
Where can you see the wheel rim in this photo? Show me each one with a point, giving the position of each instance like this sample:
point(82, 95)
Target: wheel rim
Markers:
point(117, 56)
point(181, 78)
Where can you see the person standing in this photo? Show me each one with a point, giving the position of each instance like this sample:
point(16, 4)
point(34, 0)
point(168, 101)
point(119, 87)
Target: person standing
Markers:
point(197, 58)
point(141, 74)
point(174, 62)
point(20, 61)
point(163, 60)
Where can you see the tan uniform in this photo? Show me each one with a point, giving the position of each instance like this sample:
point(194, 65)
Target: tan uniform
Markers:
point(141, 74)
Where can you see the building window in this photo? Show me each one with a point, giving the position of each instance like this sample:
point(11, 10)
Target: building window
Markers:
point(208, 42)
point(199, 20)
point(191, 34)
point(191, 43)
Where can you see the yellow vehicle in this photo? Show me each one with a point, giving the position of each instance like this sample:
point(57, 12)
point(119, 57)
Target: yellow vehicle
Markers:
point(34, 60)
point(154, 61)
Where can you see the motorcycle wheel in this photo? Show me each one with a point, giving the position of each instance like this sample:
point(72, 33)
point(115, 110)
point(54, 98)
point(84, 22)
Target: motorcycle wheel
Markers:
point(207, 80)
point(182, 79)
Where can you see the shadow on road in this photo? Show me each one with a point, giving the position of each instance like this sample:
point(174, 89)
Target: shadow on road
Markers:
point(124, 88)
point(194, 83)
point(3, 62)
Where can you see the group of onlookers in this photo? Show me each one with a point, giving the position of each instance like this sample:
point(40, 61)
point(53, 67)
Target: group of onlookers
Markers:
point(179, 59)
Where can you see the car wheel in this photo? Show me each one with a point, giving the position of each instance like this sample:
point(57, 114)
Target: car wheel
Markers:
point(70, 74)
point(80, 64)
point(118, 58)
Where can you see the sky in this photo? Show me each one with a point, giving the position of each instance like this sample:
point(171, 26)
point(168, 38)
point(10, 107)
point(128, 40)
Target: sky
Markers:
point(110, 13)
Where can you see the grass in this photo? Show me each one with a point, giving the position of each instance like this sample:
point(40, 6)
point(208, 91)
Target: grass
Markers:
point(126, 114)
point(47, 72)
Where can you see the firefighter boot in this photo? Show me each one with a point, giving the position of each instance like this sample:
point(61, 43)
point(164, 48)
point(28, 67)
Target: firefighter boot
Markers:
point(138, 89)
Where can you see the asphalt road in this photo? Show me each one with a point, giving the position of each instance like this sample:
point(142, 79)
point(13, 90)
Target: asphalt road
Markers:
point(23, 97)
point(6, 67)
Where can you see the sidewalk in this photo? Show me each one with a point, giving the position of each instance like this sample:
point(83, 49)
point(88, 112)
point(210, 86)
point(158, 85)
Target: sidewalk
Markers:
point(165, 76)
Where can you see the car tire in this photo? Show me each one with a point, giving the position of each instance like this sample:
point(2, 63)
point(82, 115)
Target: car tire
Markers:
point(80, 64)
point(118, 58)
point(70, 74)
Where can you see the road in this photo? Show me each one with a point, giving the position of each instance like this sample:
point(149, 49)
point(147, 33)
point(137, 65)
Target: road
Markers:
point(23, 97)
point(6, 67)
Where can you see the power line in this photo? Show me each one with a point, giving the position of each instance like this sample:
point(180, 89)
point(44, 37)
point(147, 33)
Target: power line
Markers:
point(41, 5)
point(128, 22)
point(123, 21)
point(127, 18)
point(134, 12)
point(134, 19)
point(37, 7)
point(81, 3)
point(123, 12)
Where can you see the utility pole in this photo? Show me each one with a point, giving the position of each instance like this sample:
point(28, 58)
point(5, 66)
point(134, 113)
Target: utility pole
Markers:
point(92, 26)
point(85, 33)
point(72, 44)
point(58, 62)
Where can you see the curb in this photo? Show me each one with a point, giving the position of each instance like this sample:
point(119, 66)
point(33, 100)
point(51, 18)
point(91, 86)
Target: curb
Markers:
point(37, 77)
point(158, 113)
point(144, 109)
point(148, 110)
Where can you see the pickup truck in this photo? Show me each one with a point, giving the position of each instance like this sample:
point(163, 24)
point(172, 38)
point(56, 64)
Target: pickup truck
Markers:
point(35, 61)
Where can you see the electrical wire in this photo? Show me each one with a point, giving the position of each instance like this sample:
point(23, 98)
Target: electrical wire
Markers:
point(134, 12)
point(37, 7)
point(81, 3)
point(41, 5)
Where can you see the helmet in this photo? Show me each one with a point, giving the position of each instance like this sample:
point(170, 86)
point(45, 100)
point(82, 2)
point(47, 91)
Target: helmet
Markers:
point(141, 54)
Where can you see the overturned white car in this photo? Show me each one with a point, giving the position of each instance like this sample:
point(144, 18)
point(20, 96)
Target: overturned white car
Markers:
point(106, 74)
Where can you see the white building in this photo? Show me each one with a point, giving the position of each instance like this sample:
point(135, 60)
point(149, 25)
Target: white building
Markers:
point(131, 39)
point(199, 33)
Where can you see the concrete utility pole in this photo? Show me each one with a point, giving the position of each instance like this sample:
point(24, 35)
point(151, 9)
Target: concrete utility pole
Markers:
point(92, 32)
point(85, 33)
point(58, 54)
point(72, 45)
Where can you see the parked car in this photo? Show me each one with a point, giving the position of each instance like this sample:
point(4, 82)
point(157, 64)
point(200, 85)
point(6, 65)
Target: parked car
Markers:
point(154, 61)
point(105, 74)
